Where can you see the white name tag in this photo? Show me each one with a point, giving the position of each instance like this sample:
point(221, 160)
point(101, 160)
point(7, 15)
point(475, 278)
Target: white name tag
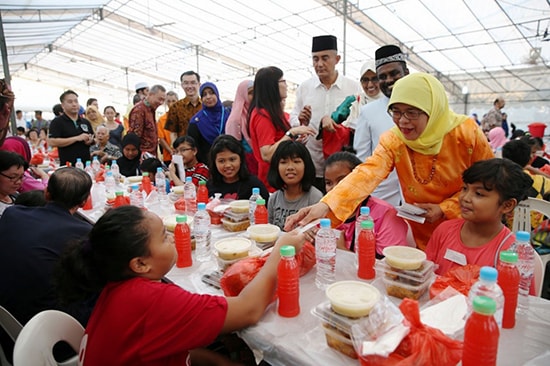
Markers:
point(455, 257)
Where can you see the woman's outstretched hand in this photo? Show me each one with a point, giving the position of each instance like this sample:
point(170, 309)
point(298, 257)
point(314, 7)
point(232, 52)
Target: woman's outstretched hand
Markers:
point(306, 215)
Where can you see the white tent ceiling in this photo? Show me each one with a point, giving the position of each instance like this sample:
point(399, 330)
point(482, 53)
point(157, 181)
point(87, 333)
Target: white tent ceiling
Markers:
point(102, 48)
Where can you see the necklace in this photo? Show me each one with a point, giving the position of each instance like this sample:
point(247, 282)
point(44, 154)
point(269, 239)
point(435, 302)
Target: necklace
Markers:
point(432, 172)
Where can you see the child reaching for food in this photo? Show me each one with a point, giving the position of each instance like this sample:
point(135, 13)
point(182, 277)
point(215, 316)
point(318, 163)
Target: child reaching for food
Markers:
point(492, 188)
point(229, 174)
point(389, 229)
point(291, 173)
point(137, 318)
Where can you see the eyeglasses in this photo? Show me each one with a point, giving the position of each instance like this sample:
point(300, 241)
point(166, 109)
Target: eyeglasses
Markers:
point(366, 80)
point(13, 179)
point(411, 114)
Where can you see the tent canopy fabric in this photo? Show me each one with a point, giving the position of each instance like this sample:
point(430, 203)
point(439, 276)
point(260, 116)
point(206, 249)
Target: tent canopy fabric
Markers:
point(479, 49)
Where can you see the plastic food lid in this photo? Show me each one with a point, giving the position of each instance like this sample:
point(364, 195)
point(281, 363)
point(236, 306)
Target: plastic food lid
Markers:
point(523, 235)
point(489, 274)
point(402, 257)
point(325, 223)
point(181, 218)
point(484, 305)
point(260, 201)
point(352, 298)
point(508, 256)
point(365, 210)
point(255, 190)
point(287, 251)
point(367, 224)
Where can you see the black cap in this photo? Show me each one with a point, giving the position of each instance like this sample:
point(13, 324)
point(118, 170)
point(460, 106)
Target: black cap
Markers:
point(322, 43)
point(387, 54)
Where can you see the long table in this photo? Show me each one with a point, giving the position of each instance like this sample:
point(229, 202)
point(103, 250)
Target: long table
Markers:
point(301, 340)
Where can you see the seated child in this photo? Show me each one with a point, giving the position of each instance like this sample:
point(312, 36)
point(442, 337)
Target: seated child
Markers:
point(291, 173)
point(388, 227)
point(128, 163)
point(492, 188)
point(138, 319)
point(228, 171)
point(186, 147)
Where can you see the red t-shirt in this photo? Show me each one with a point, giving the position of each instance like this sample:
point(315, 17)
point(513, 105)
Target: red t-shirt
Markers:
point(262, 133)
point(142, 322)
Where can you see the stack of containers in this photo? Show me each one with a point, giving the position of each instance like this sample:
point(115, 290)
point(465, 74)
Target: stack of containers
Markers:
point(236, 218)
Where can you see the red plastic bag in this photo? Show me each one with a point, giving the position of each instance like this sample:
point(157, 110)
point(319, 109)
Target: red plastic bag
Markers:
point(459, 278)
point(334, 141)
point(241, 273)
point(179, 205)
point(425, 345)
point(37, 159)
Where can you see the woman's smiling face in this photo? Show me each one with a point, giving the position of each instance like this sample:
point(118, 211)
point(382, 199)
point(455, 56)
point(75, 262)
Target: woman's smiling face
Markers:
point(411, 121)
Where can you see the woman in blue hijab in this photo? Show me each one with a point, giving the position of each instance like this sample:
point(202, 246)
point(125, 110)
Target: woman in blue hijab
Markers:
point(209, 122)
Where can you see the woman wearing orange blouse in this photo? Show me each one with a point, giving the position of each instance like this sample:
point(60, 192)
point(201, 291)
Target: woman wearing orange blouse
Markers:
point(429, 146)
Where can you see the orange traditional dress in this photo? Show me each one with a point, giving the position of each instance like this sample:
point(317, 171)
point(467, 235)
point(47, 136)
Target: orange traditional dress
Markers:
point(435, 177)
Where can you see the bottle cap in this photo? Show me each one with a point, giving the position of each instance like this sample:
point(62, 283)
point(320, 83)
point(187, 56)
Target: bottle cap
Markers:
point(365, 210)
point(119, 193)
point(201, 183)
point(484, 305)
point(325, 223)
point(109, 173)
point(201, 206)
point(135, 187)
point(522, 235)
point(255, 190)
point(488, 274)
point(181, 218)
point(367, 224)
point(95, 157)
point(159, 169)
point(260, 201)
point(509, 256)
point(287, 251)
point(88, 162)
point(188, 179)
point(78, 160)
point(113, 162)
point(145, 174)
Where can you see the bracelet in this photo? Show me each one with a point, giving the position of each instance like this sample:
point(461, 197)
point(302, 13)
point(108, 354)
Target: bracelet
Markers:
point(289, 134)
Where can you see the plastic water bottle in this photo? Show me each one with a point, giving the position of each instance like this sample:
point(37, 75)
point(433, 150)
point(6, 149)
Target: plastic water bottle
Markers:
point(96, 165)
point(288, 283)
point(481, 334)
point(202, 192)
point(182, 238)
point(526, 267)
point(260, 212)
point(201, 229)
point(325, 255)
point(136, 197)
point(110, 185)
point(79, 164)
point(366, 251)
point(487, 286)
point(252, 204)
point(160, 183)
point(88, 169)
point(116, 171)
point(508, 280)
point(364, 215)
point(190, 196)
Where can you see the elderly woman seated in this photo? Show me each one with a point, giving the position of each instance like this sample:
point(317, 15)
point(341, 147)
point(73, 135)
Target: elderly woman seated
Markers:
point(103, 149)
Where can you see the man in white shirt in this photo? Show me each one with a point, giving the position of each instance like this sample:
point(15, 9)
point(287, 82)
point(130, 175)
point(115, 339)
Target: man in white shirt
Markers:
point(19, 120)
point(374, 119)
point(319, 96)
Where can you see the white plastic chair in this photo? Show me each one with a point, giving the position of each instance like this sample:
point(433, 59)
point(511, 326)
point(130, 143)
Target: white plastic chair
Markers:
point(12, 327)
point(34, 346)
point(539, 274)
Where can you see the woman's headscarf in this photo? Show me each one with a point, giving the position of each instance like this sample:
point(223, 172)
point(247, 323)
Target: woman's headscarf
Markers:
point(211, 120)
point(17, 145)
point(237, 122)
point(98, 120)
point(129, 167)
point(369, 65)
point(497, 138)
point(425, 92)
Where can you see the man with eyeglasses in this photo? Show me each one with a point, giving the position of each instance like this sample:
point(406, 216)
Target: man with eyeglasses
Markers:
point(181, 112)
point(374, 120)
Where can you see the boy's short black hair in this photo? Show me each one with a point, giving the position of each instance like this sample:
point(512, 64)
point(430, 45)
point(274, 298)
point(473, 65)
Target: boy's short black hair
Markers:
point(34, 198)
point(501, 175)
point(517, 151)
point(150, 165)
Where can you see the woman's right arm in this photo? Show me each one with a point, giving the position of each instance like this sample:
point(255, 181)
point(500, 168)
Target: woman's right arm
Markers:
point(248, 308)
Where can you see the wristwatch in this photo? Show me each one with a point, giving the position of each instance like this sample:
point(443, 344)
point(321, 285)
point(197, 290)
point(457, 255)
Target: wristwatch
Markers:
point(289, 134)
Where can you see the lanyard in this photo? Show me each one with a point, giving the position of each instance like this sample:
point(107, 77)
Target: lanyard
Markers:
point(221, 120)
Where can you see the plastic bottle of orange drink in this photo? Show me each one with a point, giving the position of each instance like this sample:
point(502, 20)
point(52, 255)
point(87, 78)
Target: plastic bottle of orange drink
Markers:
point(508, 280)
point(366, 251)
point(481, 334)
point(288, 283)
point(182, 237)
point(146, 183)
point(202, 192)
